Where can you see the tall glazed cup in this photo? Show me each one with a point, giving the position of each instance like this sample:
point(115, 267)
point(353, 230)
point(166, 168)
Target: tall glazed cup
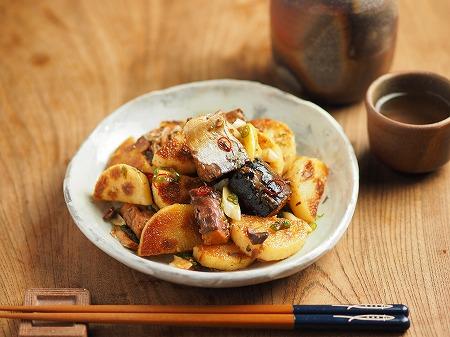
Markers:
point(334, 48)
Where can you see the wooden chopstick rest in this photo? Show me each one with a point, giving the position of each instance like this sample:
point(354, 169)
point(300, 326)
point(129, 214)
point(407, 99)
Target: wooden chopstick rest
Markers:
point(54, 296)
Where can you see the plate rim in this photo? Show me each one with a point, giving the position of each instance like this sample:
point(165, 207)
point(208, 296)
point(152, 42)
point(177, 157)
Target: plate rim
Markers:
point(216, 279)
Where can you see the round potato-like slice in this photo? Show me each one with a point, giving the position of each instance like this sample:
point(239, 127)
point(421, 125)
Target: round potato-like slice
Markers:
point(308, 177)
point(131, 153)
point(282, 135)
point(123, 183)
point(271, 153)
point(269, 239)
point(171, 230)
point(175, 154)
point(222, 257)
point(169, 187)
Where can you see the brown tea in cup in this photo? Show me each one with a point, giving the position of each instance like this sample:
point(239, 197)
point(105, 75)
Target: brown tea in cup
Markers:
point(416, 108)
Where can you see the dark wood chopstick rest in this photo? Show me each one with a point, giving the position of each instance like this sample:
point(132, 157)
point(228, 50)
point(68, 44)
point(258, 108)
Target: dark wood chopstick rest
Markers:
point(54, 296)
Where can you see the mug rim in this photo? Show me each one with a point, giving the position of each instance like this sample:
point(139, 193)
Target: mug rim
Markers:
point(392, 76)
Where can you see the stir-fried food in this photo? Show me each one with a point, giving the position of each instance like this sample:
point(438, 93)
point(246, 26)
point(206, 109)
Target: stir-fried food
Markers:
point(218, 189)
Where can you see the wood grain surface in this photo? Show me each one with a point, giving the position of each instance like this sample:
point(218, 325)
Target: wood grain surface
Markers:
point(65, 65)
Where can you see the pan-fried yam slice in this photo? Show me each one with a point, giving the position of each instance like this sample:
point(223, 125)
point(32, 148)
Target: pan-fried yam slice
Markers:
point(132, 153)
point(271, 153)
point(123, 183)
point(162, 134)
point(135, 217)
point(170, 230)
point(282, 135)
point(308, 177)
point(233, 115)
point(170, 188)
point(175, 154)
point(222, 257)
point(269, 239)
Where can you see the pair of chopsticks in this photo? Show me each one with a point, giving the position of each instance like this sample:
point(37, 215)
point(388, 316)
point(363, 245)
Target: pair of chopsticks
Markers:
point(385, 317)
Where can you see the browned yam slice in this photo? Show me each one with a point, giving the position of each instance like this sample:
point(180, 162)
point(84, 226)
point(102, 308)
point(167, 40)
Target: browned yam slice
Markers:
point(170, 230)
point(172, 125)
point(135, 217)
point(123, 238)
point(282, 135)
point(166, 131)
point(167, 192)
point(281, 238)
point(123, 183)
point(132, 153)
point(175, 154)
point(232, 115)
point(222, 257)
point(308, 177)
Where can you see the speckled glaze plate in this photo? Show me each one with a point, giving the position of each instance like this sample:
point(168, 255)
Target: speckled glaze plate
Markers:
point(317, 134)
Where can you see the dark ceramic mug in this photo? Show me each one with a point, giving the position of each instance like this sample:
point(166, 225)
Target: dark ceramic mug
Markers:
point(408, 147)
point(334, 48)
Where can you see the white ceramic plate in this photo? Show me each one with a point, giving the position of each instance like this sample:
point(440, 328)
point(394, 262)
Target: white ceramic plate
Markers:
point(317, 134)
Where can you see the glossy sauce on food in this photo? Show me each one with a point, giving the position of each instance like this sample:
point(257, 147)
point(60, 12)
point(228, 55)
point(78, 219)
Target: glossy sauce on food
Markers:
point(414, 108)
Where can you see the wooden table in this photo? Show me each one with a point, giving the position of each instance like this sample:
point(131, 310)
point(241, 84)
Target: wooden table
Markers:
point(65, 65)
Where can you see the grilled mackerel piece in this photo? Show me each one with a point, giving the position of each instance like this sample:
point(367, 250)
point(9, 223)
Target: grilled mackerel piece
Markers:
point(214, 148)
point(260, 191)
point(135, 217)
point(212, 222)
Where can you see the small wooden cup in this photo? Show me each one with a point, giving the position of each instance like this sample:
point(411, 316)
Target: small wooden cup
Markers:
point(408, 147)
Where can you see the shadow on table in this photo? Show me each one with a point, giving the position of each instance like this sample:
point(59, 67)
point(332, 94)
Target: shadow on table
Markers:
point(373, 172)
point(147, 331)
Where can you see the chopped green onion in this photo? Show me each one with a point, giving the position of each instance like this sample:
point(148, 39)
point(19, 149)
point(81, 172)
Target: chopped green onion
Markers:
point(233, 198)
point(313, 225)
point(162, 175)
point(245, 130)
point(280, 224)
point(163, 179)
point(230, 204)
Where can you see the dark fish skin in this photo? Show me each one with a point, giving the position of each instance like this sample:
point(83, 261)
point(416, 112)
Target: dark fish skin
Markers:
point(256, 238)
point(260, 191)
